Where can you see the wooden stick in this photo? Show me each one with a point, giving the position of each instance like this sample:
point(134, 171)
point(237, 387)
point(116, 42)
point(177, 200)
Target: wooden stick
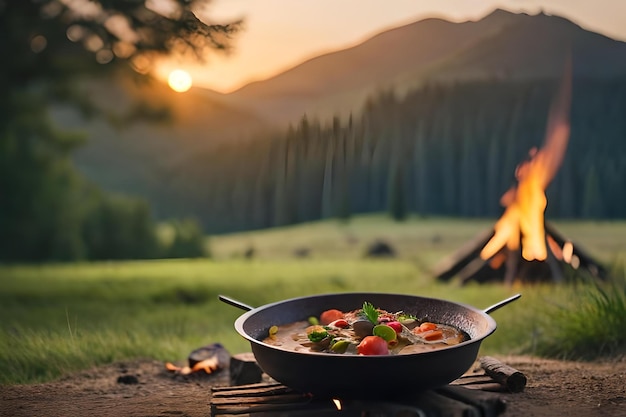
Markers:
point(509, 377)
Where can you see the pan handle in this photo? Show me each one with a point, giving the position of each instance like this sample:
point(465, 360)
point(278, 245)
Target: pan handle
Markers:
point(235, 303)
point(502, 303)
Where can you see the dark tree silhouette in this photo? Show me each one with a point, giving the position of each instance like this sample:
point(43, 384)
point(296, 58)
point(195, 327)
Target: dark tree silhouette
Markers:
point(46, 47)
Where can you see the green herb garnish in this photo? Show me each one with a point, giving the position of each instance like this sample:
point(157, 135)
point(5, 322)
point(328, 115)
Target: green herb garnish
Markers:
point(370, 312)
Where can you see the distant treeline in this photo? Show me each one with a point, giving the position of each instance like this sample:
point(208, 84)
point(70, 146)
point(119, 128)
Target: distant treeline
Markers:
point(440, 150)
point(48, 212)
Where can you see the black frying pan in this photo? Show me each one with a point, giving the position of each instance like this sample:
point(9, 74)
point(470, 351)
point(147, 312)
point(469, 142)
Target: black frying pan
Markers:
point(354, 376)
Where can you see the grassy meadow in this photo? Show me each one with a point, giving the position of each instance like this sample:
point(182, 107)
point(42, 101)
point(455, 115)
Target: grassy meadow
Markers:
point(61, 318)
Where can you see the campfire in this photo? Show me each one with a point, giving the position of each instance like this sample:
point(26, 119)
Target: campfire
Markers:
point(202, 361)
point(522, 246)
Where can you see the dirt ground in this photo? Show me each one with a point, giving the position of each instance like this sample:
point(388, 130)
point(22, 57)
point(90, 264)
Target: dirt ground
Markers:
point(145, 388)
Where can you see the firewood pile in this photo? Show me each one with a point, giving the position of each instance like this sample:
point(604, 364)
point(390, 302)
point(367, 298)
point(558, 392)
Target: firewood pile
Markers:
point(564, 259)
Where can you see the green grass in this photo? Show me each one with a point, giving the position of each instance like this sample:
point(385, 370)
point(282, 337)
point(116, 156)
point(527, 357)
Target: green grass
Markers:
point(56, 319)
point(424, 241)
point(590, 324)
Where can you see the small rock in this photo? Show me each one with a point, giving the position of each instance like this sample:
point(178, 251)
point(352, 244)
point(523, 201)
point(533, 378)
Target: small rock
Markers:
point(127, 379)
point(244, 369)
point(380, 249)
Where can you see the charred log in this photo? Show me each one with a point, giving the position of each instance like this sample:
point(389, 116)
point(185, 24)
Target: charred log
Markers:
point(509, 266)
point(585, 260)
point(466, 255)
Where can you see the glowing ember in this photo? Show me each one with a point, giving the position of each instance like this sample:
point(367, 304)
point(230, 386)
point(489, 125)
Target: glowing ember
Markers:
point(204, 360)
point(337, 403)
point(568, 252)
point(208, 366)
point(522, 222)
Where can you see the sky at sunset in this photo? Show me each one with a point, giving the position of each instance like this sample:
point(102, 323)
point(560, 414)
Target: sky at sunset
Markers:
point(279, 34)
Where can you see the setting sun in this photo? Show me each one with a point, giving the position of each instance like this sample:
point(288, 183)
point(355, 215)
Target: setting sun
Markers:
point(179, 80)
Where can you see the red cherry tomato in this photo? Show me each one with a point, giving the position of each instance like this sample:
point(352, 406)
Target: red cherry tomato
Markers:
point(396, 326)
point(329, 316)
point(373, 345)
point(339, 323)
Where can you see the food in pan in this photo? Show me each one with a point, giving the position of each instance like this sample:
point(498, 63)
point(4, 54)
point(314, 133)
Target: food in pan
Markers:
point(366, 331)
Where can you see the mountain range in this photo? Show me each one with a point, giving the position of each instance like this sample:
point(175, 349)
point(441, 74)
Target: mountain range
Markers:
point(500, 46)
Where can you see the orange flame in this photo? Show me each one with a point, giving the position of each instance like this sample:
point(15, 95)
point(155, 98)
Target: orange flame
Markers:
point(209, 366)
point(522, 222)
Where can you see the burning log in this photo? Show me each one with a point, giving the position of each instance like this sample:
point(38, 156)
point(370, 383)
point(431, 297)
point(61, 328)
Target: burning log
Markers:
point(466, 255)
point(205, 360)
point(509, 266)
point(575, 255)
point(521, 245)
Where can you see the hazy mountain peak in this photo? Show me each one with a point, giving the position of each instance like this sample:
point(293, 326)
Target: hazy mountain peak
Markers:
point(502, 14)
point(501, 44)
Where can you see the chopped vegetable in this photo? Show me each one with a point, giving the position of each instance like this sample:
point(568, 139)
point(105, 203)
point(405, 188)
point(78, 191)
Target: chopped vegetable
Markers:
point(406, 318)
point(340, 346)
point(427, 326)
point(384, 331)
point(273, 330)
point(316, 333)
point(362, 327)
point(341, 323)
point(313, 321)
point(396, 325)
point(329, 316)
point(432, 335)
